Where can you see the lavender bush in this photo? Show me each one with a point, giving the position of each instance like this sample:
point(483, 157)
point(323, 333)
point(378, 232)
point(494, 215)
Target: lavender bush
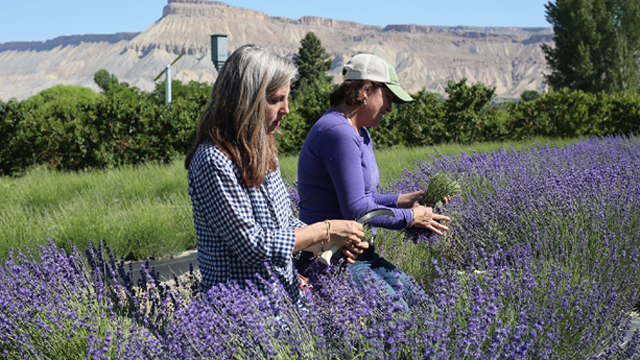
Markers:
point(52, 308)
point(540, 263)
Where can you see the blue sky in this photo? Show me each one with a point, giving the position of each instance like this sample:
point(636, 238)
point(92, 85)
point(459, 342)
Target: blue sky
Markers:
point(40, 20)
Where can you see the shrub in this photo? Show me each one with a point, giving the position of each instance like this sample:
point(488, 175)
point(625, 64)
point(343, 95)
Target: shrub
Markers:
point(71, 92)
point(529, 95)
point(17, 138)
point(560, 113)
point(109, 131)
point(413, 124)
point(467, 110)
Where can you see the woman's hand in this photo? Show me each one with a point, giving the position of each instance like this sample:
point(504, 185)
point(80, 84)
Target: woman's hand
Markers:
point(408, 200)
point(447, 198)
point(405, 201)
point(427, 219)
point(349, 234)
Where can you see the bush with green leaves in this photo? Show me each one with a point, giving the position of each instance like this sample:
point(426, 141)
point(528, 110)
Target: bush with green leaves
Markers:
point(413, 124)
point(529, 95)
point(623, 116)
point(466, 116)
point(71, 92)
point(15, 137)
point(193, 90)
point(566, 113)
point(128, 126)
point(105, 132)
point(467, 110)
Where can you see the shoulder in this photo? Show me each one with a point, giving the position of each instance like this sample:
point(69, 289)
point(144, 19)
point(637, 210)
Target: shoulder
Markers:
point(209, 159)
point(208, 153)
point(333, 126)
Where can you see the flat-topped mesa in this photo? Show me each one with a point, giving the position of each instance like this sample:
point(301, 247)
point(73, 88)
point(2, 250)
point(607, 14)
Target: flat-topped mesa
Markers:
point(212, 9)
point(216, 9)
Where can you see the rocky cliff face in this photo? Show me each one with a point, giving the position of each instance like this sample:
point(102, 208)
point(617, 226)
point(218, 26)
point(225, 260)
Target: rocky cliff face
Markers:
point(424, 56)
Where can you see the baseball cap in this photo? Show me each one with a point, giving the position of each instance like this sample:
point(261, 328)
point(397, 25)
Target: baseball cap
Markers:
point(372, 67)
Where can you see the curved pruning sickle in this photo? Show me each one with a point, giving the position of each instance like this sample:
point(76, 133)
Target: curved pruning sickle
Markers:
point(326, 256)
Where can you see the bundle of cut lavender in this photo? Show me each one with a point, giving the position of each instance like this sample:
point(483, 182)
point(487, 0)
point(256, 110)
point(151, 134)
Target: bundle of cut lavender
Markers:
point(440, 185)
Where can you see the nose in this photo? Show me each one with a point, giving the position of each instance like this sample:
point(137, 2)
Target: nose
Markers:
point(285, 109)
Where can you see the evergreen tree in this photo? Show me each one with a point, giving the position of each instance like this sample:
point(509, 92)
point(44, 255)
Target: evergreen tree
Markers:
point(597, 45)
point(312, 60)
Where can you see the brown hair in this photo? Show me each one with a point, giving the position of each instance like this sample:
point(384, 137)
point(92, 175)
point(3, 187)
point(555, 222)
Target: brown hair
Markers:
point(235, 118)
point(350, 92)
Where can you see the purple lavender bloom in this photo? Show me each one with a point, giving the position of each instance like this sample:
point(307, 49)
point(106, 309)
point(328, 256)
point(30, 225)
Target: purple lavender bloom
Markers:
point(50, 307)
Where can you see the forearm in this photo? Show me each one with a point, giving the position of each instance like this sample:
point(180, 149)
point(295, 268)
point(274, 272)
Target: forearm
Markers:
point(311, 237)
point(406, 201)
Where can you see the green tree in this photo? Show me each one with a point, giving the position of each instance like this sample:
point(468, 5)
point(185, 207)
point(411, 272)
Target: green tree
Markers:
point(111, 86)
point(597, 45)
point(467, 111)
point(105, 80)
point(312, 60)
point(71, 92)
point(529, 95)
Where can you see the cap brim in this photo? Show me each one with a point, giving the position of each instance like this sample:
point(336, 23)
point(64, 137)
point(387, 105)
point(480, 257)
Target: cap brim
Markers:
point(401, 96)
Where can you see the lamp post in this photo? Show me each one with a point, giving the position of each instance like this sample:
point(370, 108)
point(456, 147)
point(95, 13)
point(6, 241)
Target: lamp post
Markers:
point(218, 50)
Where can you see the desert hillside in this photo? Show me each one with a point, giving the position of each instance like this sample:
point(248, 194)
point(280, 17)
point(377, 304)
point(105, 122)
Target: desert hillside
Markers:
point(424, 56)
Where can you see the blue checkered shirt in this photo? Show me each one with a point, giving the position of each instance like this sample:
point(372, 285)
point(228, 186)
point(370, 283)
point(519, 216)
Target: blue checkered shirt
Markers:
point(240, 228)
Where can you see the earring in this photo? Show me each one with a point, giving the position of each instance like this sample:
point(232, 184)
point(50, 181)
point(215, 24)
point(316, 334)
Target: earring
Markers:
point(365, 101)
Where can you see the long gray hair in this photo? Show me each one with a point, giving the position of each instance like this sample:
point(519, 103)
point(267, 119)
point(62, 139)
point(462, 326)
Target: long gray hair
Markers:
point(235, 118)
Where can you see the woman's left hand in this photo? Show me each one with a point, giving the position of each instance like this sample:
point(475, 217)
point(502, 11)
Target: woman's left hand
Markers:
point(427, 219)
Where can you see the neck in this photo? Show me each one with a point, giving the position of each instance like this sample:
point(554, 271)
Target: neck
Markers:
point(350, 112)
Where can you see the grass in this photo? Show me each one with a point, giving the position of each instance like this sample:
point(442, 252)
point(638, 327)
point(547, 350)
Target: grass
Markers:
point(142, 212)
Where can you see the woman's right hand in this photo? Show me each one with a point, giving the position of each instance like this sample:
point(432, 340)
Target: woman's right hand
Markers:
point(349, 234)
point(427, 219)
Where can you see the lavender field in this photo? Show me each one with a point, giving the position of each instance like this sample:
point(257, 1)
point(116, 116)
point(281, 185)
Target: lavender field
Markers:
point(541, 262)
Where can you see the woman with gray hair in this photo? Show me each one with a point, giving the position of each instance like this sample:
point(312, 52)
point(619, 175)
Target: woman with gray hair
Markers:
point(245, 229)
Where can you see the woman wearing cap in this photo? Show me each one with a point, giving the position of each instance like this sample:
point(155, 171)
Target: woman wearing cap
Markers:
point(240, 205)
point(337, 171)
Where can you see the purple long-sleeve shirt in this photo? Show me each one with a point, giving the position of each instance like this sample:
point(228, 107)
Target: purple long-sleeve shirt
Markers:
point(338, 175)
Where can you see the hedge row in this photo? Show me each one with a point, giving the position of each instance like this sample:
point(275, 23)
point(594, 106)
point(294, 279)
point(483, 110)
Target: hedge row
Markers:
point(107, 132)
point(467, 116)
point(116, 130)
